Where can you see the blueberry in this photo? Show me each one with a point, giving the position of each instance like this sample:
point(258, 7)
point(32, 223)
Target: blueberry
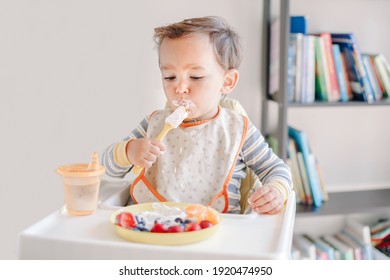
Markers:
point(140, 220)
point(179, 220)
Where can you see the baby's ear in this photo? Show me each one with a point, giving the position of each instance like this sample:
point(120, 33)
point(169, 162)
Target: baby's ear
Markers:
point(230, 81)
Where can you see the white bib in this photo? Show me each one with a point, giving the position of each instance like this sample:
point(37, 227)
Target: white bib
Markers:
point(197, 164)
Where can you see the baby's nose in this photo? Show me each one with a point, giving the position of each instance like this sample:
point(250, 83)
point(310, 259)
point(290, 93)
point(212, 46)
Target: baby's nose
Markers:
point(182, 88)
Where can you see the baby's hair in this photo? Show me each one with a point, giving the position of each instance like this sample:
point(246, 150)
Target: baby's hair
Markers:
point(225, 41)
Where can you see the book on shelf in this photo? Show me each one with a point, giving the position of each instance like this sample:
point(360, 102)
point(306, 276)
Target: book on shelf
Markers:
point(333, 91)
point(348, 84)
point(314, 161)
point(296, 41)
point(377, 76)
point(295, 253)
point(340, 73)
point(361, 88)
point(290, 73)
point(356, 248)
point(303, 146)
point(308, 71)
point(305, 180)
point(380, 236)
point(294, 180)
point(385, 62)
point(383, 73)
point(344, 252)
point(298, 24)
point(301, 68)
point(321, 82)
point(377, 93)
point(366, 248)
point(307, 248)
point(359, 230)
point(323, 250)
point(296, 174)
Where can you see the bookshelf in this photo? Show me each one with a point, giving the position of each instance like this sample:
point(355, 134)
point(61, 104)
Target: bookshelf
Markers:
point(340, 202)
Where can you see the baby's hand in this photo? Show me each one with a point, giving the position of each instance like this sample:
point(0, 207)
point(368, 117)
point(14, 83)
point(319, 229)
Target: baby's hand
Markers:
point(266, 200)
point(143, 152)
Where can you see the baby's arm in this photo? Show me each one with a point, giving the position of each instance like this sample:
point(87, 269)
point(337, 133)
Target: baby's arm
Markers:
point(119, 157)
point(274, 174)
point(143, 152)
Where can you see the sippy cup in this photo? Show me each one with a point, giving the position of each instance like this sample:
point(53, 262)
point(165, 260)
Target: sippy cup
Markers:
point(81, 186)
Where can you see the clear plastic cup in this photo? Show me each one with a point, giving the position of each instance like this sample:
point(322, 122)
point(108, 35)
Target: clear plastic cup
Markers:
point(81, 187)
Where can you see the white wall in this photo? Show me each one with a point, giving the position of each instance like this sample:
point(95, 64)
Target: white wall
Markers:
point(77, 75)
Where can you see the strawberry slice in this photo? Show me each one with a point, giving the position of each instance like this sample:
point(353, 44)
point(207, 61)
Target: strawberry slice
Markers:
point(175, 228)
point(126, 220)
point(205, 224)
point(160, 228)
point(192, 227)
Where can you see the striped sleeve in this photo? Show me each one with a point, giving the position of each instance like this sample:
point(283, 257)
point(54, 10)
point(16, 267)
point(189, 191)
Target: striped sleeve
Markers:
point(114, 156)
point(269, 168)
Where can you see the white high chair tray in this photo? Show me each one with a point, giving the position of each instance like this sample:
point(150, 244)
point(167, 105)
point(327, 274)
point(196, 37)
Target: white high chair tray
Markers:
point(59, 236)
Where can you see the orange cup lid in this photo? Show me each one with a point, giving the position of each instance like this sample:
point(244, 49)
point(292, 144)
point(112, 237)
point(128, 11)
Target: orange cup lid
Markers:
point(79, 170)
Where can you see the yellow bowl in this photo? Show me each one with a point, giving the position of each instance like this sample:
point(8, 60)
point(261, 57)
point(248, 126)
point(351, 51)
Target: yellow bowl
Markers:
point(178, 238)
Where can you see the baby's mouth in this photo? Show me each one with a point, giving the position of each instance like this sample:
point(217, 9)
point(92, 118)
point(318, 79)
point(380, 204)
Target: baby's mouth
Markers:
point(182, 102)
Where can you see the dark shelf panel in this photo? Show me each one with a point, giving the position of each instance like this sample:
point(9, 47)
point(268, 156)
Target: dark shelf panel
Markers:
point(349, 203)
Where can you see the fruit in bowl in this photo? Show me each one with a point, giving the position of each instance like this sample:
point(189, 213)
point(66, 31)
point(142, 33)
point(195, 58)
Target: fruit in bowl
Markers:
point(167, 219)
point(166, 223)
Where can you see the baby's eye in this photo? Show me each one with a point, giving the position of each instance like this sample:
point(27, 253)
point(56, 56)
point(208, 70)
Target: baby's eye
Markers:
point(169, 78)
point(197, 77)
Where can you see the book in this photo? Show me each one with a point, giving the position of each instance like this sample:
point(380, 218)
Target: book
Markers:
point(342, 80)
point(356, 248)
point(307, 248)
point(333, 92)
point(295, 253)
point(305, 180)
point(325, 196)
point(308, 72)
point(385, 62)
point(294, 180)
point(366, 248)
point(378, 78)
point(345, 251)
point(323, 250)
point(303, 145)
point(347, 82)
point(294, 166)
point(320, 70)
point(298, 24)
point(357, 76)
point(360, 231)
point(290, 72)
point(297, 41)
point(383, 73)
point(371, 77)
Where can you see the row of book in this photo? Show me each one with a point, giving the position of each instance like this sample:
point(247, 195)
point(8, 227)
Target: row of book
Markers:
point(380, 235)
point(328, 67)
point(353, 242)
point(306, 173)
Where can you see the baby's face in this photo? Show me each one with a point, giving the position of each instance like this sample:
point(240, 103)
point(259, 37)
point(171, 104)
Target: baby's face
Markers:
point(190, 71)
